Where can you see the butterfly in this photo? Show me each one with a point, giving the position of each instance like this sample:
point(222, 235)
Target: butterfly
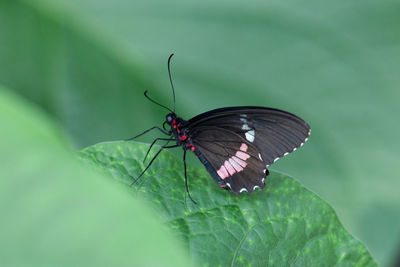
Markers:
point(235, 144)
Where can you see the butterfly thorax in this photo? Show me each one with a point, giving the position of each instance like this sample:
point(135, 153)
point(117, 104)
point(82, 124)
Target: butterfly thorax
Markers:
point(180, 131)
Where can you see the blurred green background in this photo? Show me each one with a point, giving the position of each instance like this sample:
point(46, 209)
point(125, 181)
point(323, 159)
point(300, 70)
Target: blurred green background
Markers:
point(57, 212)
point(336, 64)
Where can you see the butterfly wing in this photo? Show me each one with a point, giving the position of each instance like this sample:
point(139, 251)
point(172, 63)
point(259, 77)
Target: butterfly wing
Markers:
point(268, 134)
point(235, 162)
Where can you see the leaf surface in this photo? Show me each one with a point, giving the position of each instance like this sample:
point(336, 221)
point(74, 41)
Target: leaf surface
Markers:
point(283, 224)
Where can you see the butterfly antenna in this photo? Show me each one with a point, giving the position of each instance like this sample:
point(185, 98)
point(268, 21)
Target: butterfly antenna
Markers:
point(148, 97)
point(170, 79)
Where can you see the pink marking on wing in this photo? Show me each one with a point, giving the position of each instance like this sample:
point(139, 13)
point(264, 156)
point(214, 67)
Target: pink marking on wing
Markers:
point(239, 161)
point(229, 167)
point(222, 172)
point(243, 147)
point(235, 165)
point(242, 155)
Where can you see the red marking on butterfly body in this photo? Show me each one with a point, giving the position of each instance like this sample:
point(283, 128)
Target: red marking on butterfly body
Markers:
point(192, 148)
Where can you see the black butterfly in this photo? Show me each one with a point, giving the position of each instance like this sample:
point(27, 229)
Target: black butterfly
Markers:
point(235, 144)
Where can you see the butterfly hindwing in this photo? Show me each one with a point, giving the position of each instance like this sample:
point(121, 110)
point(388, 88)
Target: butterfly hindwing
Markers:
point(268, 134)
point(234, 159)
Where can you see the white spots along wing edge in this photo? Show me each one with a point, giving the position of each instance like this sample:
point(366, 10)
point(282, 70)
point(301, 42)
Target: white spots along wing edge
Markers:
point(250, 137)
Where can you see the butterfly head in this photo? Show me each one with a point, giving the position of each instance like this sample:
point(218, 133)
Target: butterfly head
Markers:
point(170, 118)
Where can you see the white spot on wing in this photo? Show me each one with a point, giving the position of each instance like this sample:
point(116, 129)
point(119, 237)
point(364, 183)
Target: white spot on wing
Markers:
point(255, 187)
point(262, 180)
point(243, 115)
point(259, 155)
point(250, 136)
point(228, 184)
point(276, 159)
point(250, 132)
point(286, 154)
point(245, 127)
point(265, 170)
point(243, 190)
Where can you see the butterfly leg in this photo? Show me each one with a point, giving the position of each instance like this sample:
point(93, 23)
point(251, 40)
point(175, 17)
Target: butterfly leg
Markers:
point(152, 144)
point(186, 180)
point(152, 160)
point(148, 130)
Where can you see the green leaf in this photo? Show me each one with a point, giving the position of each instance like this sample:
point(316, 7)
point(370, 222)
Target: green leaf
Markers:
point(333, 63)
point(55, 212)
point(285, 224)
